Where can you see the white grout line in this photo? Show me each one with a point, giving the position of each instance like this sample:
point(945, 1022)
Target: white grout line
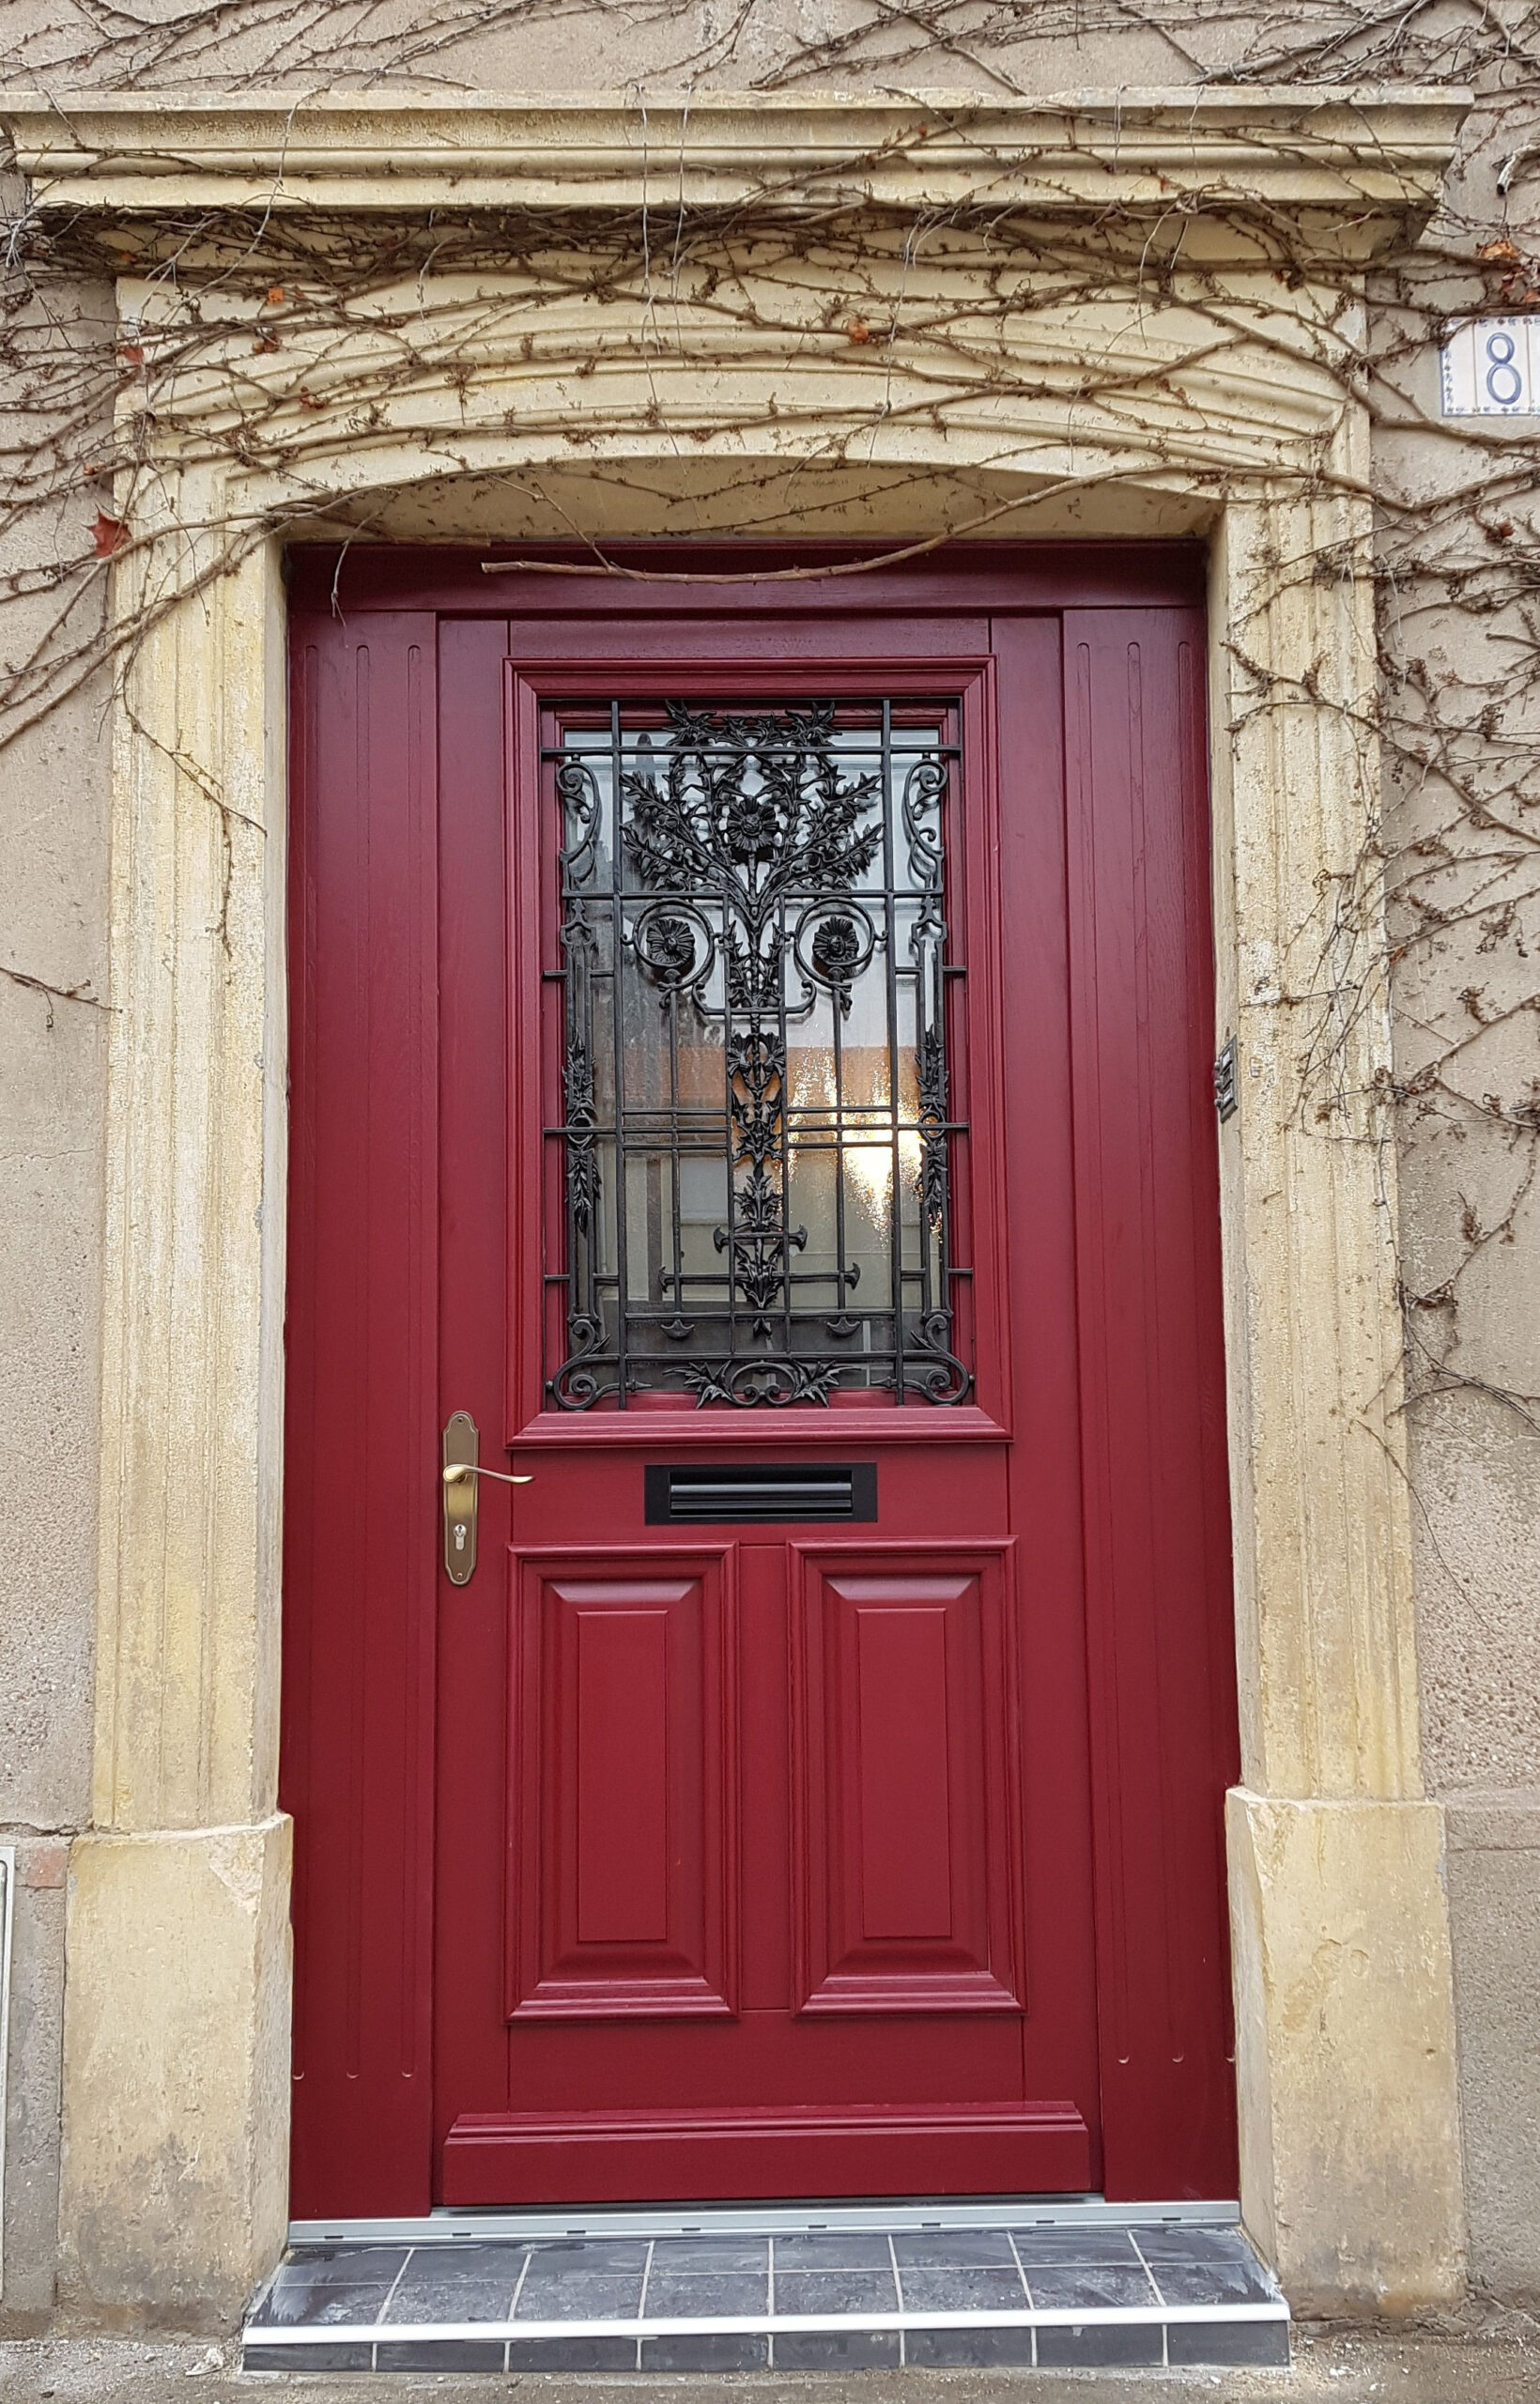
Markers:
point(512, 2301)
point(1165, 2334)
point(1026, 2290)
point(396, 2281)
point(641, 2300)
point(770, 2301)
point(739, 2325)
point(1148, 2268)
point(897, 2289)
point(374, 2351)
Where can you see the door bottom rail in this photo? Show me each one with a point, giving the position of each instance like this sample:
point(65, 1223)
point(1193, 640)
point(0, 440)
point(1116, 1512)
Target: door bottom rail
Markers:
point(1076, 2290)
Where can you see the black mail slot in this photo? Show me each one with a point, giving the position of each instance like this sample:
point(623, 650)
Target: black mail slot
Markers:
point(692, 1494)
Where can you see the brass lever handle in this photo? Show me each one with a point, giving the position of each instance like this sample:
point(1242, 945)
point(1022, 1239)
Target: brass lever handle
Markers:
point(462, 1475)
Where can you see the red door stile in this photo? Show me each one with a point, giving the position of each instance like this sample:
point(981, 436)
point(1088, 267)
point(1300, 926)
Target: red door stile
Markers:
point(360, 1518)
point(678, 1859)
point(1163, 1716)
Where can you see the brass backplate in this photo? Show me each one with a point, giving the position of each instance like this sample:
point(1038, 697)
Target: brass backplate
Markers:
point(462, 1443)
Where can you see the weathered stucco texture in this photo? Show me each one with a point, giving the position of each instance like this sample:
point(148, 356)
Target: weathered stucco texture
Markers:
point(1494, 1894)
point(1468, 1060)
point(53, 811)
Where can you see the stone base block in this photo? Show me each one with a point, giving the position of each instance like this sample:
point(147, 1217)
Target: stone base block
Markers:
point(175, 2074)
point(1350, 2155)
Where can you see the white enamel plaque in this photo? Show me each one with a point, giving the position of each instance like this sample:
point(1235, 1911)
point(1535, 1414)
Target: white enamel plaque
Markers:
point(1491, 367)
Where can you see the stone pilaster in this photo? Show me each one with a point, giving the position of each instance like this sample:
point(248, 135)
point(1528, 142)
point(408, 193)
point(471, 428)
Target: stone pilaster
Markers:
point(176, 2026)
point(1346, 2049)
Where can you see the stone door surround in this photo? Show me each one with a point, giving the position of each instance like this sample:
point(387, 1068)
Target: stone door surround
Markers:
point(177, 2034)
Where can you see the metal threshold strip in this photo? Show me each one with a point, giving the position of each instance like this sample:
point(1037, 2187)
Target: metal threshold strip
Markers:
point(445, 2226)
point(1024, 2282)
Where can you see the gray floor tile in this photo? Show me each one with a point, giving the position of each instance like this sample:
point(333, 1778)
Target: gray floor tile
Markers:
point(1228, 2341)
point(352, 2265)
point(1183, 2242)
point(713, 2352)
point(489, 2257)
point(702, 2294)
point(590, 2257)
point(288, 2307)
point(832, 2249)
point(572, 2353)
point(308, 2358)
point(967, 2349)
point(932, 2249)
point(1213, 2283)
point(1090, 2347)
point(445, 2353)
point(579, 2298)
point(1051, 2246)
point(836, 2291)
point(465, 2283)
point(960, 2289)
point(692, 2253)
point(836, 2348)
point(1090, 2286)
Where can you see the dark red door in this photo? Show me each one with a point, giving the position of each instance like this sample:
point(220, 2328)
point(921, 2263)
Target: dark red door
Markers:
point(751, 1026)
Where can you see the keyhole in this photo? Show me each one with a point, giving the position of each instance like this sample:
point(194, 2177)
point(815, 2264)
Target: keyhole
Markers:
point(459, 1539)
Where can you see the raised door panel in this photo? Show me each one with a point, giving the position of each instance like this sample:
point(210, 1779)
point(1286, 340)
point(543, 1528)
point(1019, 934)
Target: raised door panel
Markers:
point(907, 1806)
point(621, 1848)
point(799, 2150)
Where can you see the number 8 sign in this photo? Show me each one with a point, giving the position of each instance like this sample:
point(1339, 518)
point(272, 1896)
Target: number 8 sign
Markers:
point(1488, 367)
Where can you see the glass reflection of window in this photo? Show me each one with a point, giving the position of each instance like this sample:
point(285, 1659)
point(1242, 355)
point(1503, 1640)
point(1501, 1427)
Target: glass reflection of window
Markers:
point(755, 1117)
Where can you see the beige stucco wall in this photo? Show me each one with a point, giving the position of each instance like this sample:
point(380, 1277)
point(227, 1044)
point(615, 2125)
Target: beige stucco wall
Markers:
point(1471, 1230)
point(53, 814)
point(1476, 1464)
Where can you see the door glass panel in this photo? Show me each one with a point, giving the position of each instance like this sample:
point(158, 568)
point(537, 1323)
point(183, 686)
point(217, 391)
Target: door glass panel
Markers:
point(758, 1159)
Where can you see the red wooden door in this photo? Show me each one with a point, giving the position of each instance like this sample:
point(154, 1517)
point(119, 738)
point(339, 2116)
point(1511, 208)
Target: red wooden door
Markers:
point(771, 1052)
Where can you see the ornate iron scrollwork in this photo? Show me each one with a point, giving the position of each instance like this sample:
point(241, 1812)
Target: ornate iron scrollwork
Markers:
point(757, 1151)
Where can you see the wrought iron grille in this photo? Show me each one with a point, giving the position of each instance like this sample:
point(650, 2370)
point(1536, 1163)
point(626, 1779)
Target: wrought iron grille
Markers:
point(757, 1149)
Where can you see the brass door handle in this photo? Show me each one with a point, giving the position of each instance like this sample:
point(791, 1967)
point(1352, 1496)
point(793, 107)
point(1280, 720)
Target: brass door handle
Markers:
point(462, 1475)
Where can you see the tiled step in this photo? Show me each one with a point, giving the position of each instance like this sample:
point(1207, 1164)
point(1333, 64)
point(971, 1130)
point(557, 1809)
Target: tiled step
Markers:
point(1029, 2287)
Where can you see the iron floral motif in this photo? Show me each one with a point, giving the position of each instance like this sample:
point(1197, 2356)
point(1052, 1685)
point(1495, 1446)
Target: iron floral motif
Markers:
point(837, 954)
point(932, 1179)
point(740, 868)
point(701, 827)
point(768, 1382)
point(578, 1382)
point(930, 1363)
point(582, 1119)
